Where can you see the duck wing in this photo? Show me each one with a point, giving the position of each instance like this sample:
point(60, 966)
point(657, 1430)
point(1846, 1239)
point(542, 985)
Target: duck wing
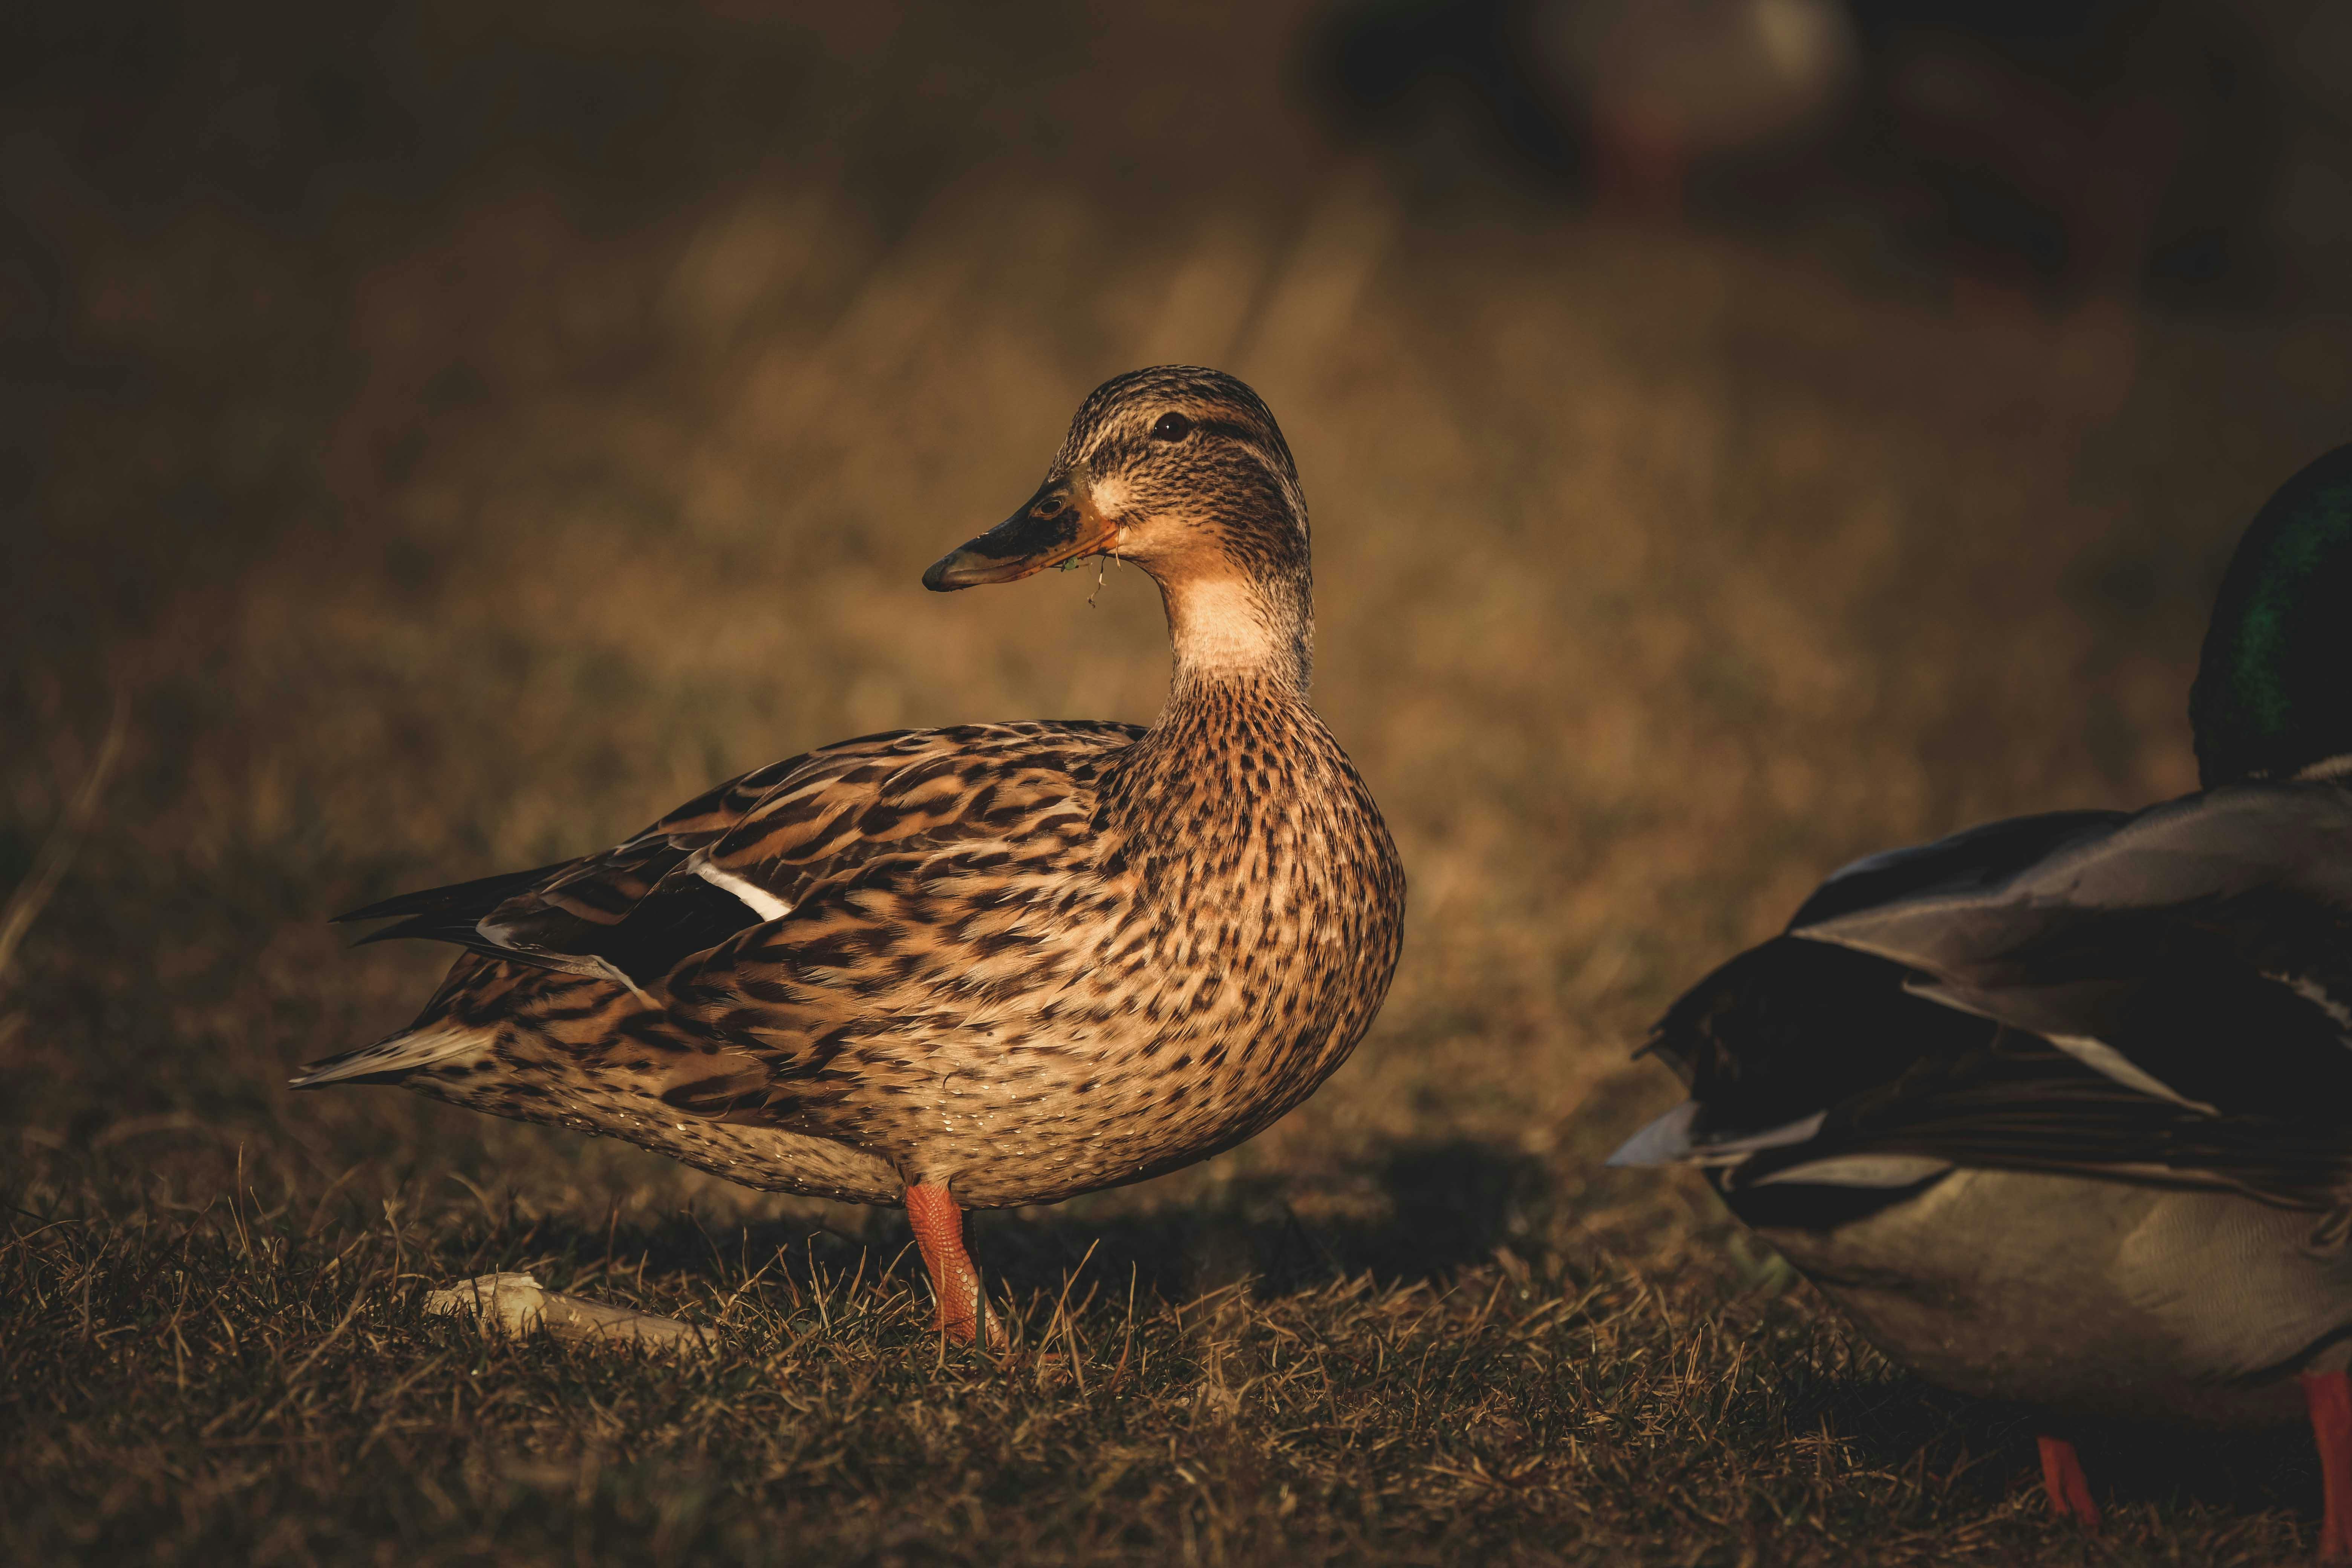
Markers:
point(751, 850)
point(2199, 951)
point(2162, 995)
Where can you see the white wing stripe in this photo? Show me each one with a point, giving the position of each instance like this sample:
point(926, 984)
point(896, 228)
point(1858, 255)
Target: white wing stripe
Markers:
point(2102, 1057)
point(759, 901)
point(2312, 991)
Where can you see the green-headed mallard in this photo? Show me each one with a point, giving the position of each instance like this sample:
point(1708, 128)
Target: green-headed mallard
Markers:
point(980, 967)
point(2055, 1109)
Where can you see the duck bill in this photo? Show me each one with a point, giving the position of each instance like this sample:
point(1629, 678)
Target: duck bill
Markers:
point(1055, 527)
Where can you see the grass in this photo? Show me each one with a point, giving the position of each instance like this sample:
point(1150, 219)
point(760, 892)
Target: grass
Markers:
point(497, 483)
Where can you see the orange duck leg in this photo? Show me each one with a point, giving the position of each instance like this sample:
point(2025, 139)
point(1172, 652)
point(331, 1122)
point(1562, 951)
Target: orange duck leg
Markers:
point(955, 1283)
point(2069, 1488)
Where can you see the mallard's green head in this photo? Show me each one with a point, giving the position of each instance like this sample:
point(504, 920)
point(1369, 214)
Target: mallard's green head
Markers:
point(2274, 692)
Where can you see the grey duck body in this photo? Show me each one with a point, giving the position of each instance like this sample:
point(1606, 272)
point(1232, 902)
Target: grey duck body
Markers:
point(2052, 1108)
point(2096, 1298)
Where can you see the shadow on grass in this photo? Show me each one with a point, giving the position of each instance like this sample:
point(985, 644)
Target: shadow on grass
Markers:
point(1435, 1209)
point(1985, 1450)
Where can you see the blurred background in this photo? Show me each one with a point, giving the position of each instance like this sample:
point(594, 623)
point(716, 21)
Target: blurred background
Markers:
point(438, 438)
point(1742, 434)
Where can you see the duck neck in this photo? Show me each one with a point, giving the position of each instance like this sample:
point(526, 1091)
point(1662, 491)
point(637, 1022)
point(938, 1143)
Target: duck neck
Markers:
point(2271, 699)
point(1237, 704)
point(1236, 733)
point(1233, 630)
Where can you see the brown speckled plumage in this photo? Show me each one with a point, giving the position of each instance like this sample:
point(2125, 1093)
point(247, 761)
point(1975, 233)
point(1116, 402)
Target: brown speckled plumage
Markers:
point(1016, 960)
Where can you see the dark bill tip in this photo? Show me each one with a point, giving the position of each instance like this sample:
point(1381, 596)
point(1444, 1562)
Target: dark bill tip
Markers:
point(1048, 532)
point(964, 568)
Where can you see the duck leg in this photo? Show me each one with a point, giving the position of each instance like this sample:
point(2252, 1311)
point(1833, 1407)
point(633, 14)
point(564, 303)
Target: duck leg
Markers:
point(955, 1283)
point(2069, 1488)
point(2328, 1397)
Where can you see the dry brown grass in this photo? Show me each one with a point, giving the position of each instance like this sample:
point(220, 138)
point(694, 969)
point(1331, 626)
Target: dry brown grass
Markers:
point(1658, 574)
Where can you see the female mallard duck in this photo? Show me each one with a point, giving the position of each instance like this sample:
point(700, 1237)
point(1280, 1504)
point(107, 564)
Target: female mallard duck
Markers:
point(2055, 1109)
point(974, 967)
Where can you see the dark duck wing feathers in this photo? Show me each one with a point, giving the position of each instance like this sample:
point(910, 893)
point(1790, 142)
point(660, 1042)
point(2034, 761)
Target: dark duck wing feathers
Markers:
point(2165, 996)
point(1015, 962)
point(2059, 1109)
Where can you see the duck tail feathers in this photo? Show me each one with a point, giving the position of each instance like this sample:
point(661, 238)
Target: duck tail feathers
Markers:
point(1674, 1140)
point(392, 1059)
point(448, 913)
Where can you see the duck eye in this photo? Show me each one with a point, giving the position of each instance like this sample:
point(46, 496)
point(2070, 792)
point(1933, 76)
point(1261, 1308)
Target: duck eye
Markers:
point(1172, 427)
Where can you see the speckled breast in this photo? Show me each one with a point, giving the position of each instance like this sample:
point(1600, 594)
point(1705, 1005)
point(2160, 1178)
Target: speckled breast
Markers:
point(1220, 975)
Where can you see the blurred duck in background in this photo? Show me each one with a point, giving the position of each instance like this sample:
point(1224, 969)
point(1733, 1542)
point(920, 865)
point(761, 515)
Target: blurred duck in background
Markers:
point(1667, 83)
point(981, 966)
point(1628, 93)
point(2056, 1109)
point(2074, 148)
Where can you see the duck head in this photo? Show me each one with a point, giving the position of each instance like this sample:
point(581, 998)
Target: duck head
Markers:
point(1183, 472)
point(2274, 692)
